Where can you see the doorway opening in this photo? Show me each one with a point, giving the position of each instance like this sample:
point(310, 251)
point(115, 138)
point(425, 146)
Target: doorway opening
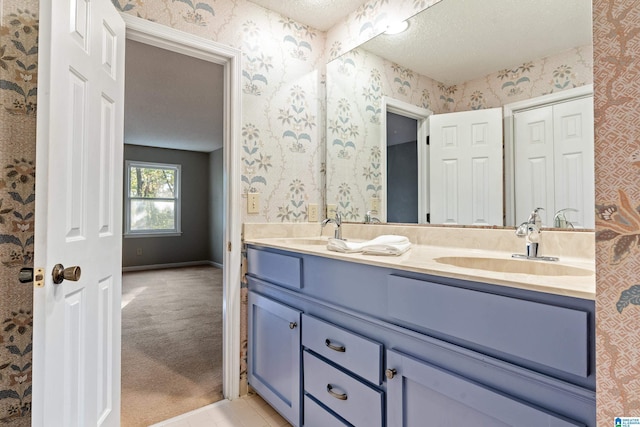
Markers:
point(222, 241)
point(407, 125)
point(171, 318)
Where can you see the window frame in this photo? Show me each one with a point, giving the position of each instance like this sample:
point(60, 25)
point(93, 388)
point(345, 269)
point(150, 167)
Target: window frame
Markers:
point(177, 230)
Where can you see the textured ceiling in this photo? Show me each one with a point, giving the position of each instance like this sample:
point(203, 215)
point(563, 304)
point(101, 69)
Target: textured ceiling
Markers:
point(456, 41)
point(172, 100)
point(319, 14)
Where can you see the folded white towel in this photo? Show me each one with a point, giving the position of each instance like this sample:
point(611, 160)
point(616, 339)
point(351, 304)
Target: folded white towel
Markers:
point(388, 244)
point(395, 249)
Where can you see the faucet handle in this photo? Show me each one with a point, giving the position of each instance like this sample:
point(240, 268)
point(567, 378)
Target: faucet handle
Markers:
point(369, 219)
point(521, 230)
point(560, 220)
point(534, 218)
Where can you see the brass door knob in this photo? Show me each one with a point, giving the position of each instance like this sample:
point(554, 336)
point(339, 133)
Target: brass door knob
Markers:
point(390, 373)
point(25, 275)
point(60, 273)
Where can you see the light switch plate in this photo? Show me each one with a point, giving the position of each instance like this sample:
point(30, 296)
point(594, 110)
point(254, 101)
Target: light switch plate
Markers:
point(253, 203)
point(331, 211)
point(312, 212)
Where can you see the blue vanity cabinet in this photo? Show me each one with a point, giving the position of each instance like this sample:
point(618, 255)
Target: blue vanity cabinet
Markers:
point(420, 394)
point(410, 349)
point(274, 355)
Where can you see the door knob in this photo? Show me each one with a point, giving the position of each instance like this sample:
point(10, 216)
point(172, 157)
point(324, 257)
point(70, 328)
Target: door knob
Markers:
point(390, 373)
point(60, 273)
point(25, 275)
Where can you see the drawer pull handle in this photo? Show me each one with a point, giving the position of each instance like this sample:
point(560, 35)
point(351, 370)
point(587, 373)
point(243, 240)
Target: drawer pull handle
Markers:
point(390, 373)
point(293, 325)
point(338, 396)
point(333, 347)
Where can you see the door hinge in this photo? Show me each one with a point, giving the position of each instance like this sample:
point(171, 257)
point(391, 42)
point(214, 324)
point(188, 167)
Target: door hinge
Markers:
point(229, 246)
point(428, 218)
point(428, 140)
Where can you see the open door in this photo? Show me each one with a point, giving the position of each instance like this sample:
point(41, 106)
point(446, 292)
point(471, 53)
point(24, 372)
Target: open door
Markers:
point(78, 214)
point(466, 167)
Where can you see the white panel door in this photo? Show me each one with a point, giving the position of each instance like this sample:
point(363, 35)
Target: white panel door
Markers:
point(78, 214)
point(573, 157)
point(553, 162)
point(534, 171)
point(466, 167)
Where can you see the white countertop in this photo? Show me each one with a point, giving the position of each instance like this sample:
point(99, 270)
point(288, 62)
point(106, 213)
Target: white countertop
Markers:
point(422, 258)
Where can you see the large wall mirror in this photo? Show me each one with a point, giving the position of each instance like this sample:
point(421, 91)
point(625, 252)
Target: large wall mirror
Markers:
point(456, 59)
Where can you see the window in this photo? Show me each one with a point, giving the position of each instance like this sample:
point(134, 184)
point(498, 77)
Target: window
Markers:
point(152, 205)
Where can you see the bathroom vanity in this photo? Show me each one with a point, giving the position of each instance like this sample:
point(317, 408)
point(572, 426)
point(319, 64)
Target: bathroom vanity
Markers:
point(347, 339)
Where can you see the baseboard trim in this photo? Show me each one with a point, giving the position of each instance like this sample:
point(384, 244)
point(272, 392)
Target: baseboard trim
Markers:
point(170, 265)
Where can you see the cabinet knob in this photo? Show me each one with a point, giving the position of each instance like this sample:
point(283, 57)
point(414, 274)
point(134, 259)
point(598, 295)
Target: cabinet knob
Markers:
point(390, 373)
point(293, 325)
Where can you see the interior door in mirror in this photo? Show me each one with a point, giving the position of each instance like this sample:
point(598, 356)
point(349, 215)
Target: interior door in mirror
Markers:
point(466, 168)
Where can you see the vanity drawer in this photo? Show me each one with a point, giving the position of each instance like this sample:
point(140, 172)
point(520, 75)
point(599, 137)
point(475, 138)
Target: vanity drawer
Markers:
point(360, 405)
point(356, 353)
point(317, 416)
point(277, 268)
point(553, 336)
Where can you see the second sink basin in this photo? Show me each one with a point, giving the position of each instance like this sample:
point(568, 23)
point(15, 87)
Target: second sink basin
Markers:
point(508, 265)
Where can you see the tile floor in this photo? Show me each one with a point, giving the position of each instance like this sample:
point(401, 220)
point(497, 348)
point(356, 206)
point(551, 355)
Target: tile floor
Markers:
point(247, 411)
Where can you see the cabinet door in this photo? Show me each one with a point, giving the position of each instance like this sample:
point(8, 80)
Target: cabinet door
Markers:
point(421, 394)
point(274, 355)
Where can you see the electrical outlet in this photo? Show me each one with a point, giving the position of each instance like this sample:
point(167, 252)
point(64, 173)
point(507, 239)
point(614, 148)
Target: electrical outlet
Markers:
point(253, 203)
point(138, 251)
point(331, 211)
point(312, 212)
point(375, 204)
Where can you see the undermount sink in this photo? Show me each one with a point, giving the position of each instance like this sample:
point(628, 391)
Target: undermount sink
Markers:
point(508, 265)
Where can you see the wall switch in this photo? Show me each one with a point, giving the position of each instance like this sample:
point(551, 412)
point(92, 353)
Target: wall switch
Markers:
point(331, 211)
point(253, 203)
point(138, 251)
point(312, 212)
point(375, 204)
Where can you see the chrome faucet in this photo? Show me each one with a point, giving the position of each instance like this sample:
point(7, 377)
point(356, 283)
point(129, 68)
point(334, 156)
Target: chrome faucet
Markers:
point(560, 220)
point(530, 230)
point(368, 219)
point(337, 234)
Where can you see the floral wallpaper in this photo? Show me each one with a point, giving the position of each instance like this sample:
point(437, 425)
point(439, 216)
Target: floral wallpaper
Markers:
point(18, 106)
point(357, 81)
point(283, 140)
point(616, 31)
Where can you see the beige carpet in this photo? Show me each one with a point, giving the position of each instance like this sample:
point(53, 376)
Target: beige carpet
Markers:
point(171, 343)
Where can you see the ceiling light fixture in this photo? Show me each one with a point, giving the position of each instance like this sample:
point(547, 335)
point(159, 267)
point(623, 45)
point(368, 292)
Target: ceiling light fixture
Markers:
point(397, 28)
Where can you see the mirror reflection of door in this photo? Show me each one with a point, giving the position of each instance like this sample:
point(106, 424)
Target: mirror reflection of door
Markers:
point(554, 166)
point(402, 169)
point(466, 167)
